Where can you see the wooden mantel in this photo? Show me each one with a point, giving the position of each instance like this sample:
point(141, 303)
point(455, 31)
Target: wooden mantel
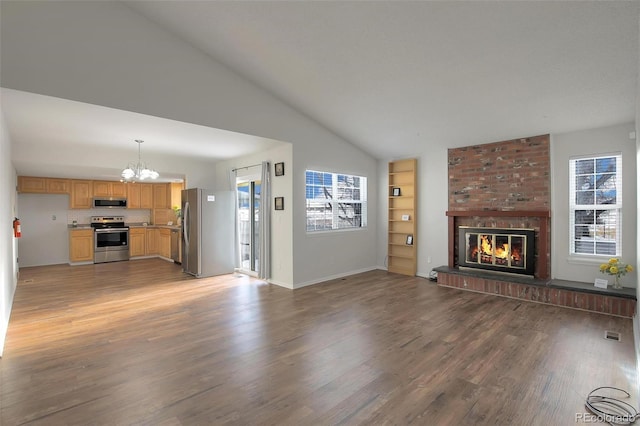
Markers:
point(542, 248)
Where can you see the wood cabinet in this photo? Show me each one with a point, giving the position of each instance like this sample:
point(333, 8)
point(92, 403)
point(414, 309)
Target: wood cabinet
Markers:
point(161, 196)
point(165, 243)
point(81, 194)
point(167, 195)
point(139, 195)
point(146, 195)
point(32, 184)
point(152, 241)
point(58, 186)
point(402, 250)
point(137, 242)
point(81, 245)
point(103, 188)
point(41, 185)
point(176, 195)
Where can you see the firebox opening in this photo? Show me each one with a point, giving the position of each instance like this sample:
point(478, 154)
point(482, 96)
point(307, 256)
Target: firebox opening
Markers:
point(504, 250)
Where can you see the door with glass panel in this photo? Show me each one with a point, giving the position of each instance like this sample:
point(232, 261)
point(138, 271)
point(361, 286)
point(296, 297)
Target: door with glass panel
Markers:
point(248, 190)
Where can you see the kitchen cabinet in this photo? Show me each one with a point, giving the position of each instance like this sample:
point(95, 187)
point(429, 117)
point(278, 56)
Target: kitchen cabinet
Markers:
point(32, 184)
point(139, 195)
point(176, 194)
point(153, 237)
point(167, 195)
point(102, 188)
point(81, 194)
point(161, 196)
point(81, 245)
point(137, 242)
point(41, 185)
point(58, 186)
point(165, 243)
point(146, 195)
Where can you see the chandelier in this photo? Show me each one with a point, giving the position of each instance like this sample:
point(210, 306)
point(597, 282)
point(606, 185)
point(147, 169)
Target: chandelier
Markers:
point(139, 170)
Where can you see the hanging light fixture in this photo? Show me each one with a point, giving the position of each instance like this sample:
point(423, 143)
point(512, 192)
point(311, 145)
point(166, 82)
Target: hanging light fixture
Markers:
point(139, 170)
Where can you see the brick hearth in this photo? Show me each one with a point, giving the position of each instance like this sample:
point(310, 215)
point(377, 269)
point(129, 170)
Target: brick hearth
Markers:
point(583, 296)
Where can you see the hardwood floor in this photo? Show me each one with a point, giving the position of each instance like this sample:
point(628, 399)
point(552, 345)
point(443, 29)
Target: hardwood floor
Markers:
point(142, 343)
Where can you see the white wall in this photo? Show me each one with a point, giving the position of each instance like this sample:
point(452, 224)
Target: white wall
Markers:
point(8, 245)
point(605, 140)
point(281, 186)
point(45, 240)
point(109, 55)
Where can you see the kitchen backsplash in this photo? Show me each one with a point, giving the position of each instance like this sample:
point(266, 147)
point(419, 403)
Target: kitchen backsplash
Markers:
point(83, 217)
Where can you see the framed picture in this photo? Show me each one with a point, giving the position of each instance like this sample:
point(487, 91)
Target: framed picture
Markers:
point(396, 192)
point(409, 240)
point(279, 169)
point(405, 217)
point(279, 203)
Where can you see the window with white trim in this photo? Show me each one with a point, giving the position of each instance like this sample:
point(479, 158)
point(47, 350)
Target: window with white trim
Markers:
point(335, 201)
point(595, 205)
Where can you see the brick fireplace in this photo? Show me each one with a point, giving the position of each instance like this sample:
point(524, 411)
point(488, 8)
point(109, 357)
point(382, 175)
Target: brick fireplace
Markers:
point(502, 189)
point(505, 186)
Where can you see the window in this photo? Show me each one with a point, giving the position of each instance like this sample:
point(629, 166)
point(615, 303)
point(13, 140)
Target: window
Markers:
point(595, 205)
point(335, 201)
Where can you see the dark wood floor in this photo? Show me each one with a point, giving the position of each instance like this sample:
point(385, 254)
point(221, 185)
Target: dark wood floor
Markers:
point(141, 343)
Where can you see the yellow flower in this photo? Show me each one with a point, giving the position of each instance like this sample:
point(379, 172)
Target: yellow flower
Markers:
point(613, 270)
point(613, 261)
point(603, 267)
point(629, 268)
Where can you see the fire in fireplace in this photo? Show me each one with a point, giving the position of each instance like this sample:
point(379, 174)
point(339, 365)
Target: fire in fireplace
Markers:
point(505, 250)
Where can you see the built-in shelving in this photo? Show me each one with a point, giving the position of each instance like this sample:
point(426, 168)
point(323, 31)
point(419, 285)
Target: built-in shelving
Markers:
point(402, 243)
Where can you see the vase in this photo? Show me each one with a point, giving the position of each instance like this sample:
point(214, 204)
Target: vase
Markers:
point(616, 283)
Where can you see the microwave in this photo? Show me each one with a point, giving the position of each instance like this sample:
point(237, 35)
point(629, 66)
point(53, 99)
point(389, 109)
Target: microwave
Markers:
point(110, 203)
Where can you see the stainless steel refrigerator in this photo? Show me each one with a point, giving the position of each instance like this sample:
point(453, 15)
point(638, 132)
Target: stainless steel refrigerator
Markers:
point(207, 232)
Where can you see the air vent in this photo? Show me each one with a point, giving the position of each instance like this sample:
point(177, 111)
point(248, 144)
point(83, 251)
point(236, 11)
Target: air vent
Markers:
point(612, 335)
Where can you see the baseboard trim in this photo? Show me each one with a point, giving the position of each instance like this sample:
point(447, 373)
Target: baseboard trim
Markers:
point(334, 277)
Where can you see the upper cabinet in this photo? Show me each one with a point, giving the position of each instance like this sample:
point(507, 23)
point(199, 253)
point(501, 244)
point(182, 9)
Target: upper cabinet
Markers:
point(81, 194)
point(167, 195)
point(139, 195)
point(58, 186)
point(41, 185)
point(161, 196)
point(103, 188)
point(157, 196)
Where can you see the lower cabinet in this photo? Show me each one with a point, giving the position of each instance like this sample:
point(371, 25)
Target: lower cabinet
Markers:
point(137, 242)
point(150, 241)
point(81, 245)
point(165, 243)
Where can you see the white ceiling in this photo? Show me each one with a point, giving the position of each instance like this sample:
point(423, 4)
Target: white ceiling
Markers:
point(392, 77)
point(39, 120)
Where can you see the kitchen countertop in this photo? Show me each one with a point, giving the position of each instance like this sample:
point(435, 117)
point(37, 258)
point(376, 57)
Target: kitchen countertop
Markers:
point(130, 225)
point(140, 225)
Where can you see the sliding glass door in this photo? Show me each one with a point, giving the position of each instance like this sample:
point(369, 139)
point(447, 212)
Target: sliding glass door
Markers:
point(248, 190)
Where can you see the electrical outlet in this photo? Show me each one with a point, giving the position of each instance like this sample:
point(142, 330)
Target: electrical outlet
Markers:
point(428, 259)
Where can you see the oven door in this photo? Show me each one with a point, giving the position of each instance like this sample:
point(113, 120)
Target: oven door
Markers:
point(111, 244)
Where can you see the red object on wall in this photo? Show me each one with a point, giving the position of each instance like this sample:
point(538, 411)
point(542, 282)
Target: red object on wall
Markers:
point(16, 228)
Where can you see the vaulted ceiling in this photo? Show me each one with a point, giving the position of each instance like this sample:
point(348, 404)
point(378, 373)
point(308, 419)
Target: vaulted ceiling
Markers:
point(395, 76)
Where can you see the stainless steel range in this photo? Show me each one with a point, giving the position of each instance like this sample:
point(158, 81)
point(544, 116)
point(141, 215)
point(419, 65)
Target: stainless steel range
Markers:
point(111, 239)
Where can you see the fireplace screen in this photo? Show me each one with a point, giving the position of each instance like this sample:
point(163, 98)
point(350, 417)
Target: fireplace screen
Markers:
point(506, 250)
